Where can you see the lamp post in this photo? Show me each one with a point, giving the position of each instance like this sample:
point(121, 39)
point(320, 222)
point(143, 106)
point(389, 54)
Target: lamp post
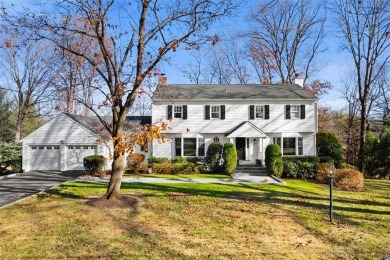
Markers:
point(331, 176)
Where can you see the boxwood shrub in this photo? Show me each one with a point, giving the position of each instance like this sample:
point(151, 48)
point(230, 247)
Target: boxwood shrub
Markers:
point(175, 168)
point(94, 164)
point(154, 159)
point(214, 155)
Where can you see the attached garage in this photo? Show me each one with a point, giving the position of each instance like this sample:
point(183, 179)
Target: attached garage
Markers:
point(44, 157)
point(62, 143)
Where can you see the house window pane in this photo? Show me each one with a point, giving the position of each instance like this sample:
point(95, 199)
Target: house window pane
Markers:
point(78, 147)
point(177, 112)
point(48, 147)
point(214, 111)
point(216, 139)
point(300, 146)
point(259, 112)
point(288, 146)
point(41, 147)
point(33, 147)
point(70, 147)
point(200, 146)
point(56, 147)
point(189, 146)
point(177, 146)
point(294, 112)
point(85, 147)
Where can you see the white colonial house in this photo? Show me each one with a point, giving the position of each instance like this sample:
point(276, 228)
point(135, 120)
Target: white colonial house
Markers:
point(63, 142)
point(251, 116)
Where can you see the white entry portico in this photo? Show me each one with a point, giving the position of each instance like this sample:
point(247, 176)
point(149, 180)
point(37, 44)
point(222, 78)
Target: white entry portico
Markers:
point(250, 142)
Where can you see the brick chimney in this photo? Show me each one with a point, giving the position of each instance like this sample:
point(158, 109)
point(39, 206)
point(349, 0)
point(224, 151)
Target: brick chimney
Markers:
point(298, 80)
point(162, 80)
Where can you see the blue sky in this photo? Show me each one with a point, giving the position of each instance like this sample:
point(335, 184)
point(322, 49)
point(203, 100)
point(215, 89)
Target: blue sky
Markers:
point(336, 62)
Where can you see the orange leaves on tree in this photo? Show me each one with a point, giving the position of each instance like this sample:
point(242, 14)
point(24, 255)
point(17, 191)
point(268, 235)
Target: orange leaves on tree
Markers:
point(7, 43)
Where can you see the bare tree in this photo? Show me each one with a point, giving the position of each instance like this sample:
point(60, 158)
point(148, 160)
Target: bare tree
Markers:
point(130, 34)
point(29, 76)
point(364, 27)
point(286, 38)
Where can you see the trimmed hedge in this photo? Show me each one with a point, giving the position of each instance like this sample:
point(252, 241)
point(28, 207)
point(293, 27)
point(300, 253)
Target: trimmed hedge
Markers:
point(229, 156)
point(302, 170)
point(296, 159)
point(94, 164)
point(273, 160)
point(214, 155)
point(176, 168)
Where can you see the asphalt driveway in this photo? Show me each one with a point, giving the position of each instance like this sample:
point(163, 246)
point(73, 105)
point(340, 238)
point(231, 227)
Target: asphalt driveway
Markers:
point(24, 185)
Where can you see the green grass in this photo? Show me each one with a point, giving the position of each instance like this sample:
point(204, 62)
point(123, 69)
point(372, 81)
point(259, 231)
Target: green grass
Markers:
point(180, 176)
point(200, 221)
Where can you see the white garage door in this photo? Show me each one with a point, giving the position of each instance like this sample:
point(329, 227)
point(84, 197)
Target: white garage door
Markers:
point(44, 157)
point(75, 155)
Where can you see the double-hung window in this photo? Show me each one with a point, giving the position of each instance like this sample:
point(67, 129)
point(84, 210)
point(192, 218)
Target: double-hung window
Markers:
point(294, 112)
point(259, 111)
point(215, 111)
point(178, 112)
point(290, 145)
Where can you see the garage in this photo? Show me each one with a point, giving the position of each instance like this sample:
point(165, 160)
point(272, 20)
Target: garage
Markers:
point(44, 157)
point(75, 154)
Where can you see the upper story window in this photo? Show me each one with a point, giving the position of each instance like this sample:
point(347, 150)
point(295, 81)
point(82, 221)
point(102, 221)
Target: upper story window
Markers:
point(176, 111)
point(215, 112)
point(258, 112)
point(216, 139)
point(295, 112)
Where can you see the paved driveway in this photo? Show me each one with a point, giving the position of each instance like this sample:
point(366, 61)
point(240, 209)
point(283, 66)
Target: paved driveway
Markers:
point(24, 185)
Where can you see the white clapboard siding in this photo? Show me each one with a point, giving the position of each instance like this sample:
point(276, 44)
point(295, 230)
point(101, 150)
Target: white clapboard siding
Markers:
point(236, 114)
point(60, 128)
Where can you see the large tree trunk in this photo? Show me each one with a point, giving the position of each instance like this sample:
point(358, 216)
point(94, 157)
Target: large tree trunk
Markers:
point(362, 141)
point(116, 177)
point(18, 130)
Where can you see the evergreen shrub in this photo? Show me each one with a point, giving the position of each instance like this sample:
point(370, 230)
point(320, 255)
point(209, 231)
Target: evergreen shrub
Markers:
point(229, 156)
point(273, 160)
point(94, 164)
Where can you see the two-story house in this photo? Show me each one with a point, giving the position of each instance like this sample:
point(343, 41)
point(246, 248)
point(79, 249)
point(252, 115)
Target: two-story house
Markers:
point(251, 116)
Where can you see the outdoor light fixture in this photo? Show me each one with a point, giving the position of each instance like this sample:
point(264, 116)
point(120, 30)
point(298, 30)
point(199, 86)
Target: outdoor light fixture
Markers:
point(331, 176)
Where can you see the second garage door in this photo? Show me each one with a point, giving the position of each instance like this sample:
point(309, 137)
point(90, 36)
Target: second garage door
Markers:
point(75, 155)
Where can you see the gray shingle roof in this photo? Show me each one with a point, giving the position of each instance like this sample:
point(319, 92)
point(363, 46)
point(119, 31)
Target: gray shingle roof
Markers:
point(93, 123)
point(231, 91)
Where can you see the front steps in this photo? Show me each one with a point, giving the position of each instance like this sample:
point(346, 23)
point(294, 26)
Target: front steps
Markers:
point(250, 169)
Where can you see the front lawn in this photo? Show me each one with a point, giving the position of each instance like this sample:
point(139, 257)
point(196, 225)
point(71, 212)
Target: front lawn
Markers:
point(181, 221)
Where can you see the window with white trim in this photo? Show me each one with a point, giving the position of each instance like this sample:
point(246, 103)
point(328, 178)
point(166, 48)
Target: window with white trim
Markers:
point(33, 147)
point(277, 140)
point(48, 147)
point(190, 146)
point(41, 147)
point(56, 147)
point(289, 146)
point(85, 147)
point(300, 146)
point(295, 112)
point(216, 139)
point(215, 111)
point(177, 111)
point(259, 111)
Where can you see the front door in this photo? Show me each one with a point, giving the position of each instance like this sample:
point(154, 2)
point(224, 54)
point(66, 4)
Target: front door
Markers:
point(240, 146)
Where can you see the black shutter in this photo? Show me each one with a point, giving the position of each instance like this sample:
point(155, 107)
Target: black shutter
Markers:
point(223, 112)
point(251, 112)
point(170, 112)
point(288, 116)
point(207, 112)
point(184, 111)
point(303, 113)
point(266, 112)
